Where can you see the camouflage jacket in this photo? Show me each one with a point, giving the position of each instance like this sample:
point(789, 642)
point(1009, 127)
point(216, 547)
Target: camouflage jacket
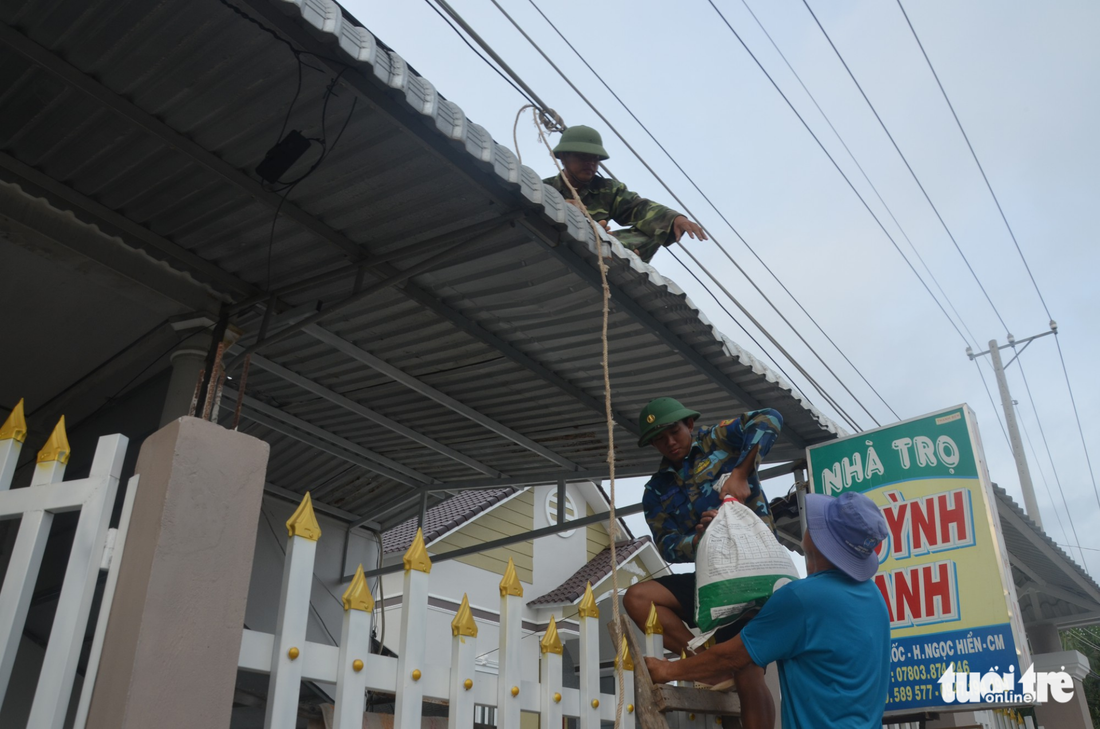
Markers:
point(675, 498)
point(650, 223)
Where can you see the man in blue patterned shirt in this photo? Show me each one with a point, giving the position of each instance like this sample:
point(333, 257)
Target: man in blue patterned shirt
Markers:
point(680, 501)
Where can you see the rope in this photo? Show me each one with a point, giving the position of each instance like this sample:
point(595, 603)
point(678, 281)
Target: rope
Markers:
point(542, 125)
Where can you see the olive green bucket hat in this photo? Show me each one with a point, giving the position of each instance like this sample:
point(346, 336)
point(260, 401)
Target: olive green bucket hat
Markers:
point(585, 140)
point(658, 415)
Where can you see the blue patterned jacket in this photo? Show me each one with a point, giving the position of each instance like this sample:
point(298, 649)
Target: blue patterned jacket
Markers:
point(675, 498)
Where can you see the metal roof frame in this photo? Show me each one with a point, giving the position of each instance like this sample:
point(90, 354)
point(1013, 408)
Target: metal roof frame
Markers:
point(421, 265)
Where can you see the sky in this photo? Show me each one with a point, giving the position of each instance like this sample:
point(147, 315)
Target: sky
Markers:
point(1022, 77)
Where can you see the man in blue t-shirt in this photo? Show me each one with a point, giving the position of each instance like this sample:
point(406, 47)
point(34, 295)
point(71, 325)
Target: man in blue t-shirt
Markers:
point(829, 633)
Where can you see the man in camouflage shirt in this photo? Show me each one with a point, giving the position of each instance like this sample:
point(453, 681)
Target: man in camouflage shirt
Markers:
point(680, 501)
point(651, 225)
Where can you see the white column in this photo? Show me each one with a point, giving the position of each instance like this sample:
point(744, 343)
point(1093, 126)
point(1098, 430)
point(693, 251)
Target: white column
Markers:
point(26, 556)
point(550, 681)
point(689, 720)
point(114, 559)
point(284, 684)
point(55, 681)
point(588, 616)
point(626, 661)
point(351, 682)
point(510, 672)
point(460, 715)
point(12, 435)
point(187, 362)
point(410, 662)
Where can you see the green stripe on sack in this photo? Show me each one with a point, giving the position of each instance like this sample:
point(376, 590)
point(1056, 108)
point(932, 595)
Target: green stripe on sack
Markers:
point(714, 601)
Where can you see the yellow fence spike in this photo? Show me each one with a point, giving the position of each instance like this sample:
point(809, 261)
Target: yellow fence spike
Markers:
point(15, 427)
point(624, 657)
point(510, 585)
point(463, 623)
point(551, 642)
point(653, 623)
point(416, 557)
point(57, 447)
point(357, 596)
point(587, 607)
point(303, 522)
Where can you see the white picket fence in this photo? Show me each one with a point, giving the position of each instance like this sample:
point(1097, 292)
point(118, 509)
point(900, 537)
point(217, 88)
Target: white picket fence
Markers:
point(93, 549)
point(289, 658)
point(989, 719)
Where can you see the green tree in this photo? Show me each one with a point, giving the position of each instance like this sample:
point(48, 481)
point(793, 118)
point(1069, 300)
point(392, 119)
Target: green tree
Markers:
point(1087, 641)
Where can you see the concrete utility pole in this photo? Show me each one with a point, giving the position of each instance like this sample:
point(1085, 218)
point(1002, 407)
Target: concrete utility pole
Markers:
point(994, 352)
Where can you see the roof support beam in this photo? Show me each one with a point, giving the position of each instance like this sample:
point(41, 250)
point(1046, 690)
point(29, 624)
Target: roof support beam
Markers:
point(1029, 531)
point(382, 510)
point(585, 270)
point(370, 90)
point(413, 383)
point(475, 330)
point(347, 516)
point(1052, 590)
point(123, 226)
point(375, 417)
point(535, 479)
point(515, 539)
point(321, 439)
point(78, 80)
point(486, 231)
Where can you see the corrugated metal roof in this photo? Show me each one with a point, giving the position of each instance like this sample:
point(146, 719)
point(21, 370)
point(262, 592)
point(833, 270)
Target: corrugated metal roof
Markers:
point(1054, 588)
point(159, 112)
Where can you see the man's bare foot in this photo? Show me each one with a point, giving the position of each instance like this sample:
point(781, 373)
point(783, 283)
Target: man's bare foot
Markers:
point(658, 670)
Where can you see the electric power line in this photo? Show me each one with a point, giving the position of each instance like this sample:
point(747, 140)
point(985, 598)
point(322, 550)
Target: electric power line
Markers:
point(678, 200)
point(907, 165)
point(975, 156)
point(477, 53)
point(840, 170)
point(774, 360)
point(863, 173)
point(716, 209)
point(1015, 242)
point(1046, 445)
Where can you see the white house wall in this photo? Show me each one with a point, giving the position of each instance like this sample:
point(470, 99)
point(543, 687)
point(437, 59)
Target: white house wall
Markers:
point(449, 582)
point(556, 558)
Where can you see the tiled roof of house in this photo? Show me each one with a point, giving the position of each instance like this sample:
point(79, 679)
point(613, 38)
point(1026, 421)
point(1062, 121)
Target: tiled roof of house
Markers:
point(595, 570)
point(443, 517)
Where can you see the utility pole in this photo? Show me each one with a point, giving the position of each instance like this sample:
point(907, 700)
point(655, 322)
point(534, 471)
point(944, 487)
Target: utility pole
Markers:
point(994, 352)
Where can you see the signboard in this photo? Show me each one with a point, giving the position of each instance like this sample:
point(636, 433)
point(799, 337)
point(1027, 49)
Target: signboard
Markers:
point(943, 570)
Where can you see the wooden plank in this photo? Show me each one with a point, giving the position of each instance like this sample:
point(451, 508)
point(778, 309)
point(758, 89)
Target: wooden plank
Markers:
point(662, 698)
point(700, 701)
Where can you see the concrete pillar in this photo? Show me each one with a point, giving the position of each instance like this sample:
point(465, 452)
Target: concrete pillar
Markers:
point(955, 719)
point(174, 632)
point(187, 362)
point(1073, 714)
point(1043, 638)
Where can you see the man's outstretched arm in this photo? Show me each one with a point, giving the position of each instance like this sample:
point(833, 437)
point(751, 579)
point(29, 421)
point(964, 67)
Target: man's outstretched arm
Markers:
point(721, 661)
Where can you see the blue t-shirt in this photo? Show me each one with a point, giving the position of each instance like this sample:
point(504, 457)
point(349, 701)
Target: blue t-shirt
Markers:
point(831, 638)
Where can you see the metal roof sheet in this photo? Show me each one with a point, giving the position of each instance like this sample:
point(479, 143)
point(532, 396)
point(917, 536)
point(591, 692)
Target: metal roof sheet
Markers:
point(1052, 587)
point(148, 119)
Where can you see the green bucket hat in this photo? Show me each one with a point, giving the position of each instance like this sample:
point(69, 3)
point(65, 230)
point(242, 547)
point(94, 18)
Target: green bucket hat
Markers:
point(585, 140)
point(658, 415)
